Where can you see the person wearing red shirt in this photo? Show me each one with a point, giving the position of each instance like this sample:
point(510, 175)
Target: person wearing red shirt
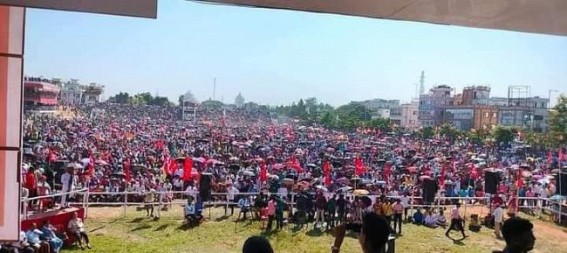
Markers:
point(31, 184)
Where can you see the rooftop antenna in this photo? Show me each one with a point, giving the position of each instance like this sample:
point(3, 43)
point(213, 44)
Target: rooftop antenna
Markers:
point(422, 83)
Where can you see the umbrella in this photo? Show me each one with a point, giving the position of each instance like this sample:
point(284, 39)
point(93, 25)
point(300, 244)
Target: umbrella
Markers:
point(526, 173)
point(424, 177)
point(306, 179)
point(558, 197)
point(343, 180)
point(345, 189)
point(212, 161)
point(248, 173)
point(85, 160)
point(288, 181)
point(381, 182)
point(311, 165)
point(199, 159)
point(234, 158)
point(101, 162)
point(360, 192)
point(278, 166)
point(322, 188)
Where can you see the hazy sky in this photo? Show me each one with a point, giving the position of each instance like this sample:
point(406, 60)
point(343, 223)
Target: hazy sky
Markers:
point(276, 57)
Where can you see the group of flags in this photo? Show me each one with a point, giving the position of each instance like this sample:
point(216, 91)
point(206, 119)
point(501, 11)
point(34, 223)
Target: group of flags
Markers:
point(170, 167)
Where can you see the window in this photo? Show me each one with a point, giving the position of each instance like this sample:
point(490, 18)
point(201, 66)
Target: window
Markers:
point(494, 115)
point(414, 112)
point(486, 114)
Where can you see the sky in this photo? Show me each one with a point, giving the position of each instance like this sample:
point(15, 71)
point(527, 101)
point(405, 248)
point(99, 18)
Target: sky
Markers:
point(275, 57)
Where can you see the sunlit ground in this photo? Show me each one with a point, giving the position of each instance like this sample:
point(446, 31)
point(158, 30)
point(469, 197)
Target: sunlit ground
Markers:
point(112, 231)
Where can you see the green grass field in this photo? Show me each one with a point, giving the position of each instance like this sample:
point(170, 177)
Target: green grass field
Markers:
point(134, 232)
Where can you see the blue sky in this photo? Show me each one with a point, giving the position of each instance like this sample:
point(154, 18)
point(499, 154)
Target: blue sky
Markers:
point(275, 57)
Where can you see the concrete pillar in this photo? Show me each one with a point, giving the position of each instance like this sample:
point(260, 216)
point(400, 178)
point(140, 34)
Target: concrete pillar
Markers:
point(11, 66)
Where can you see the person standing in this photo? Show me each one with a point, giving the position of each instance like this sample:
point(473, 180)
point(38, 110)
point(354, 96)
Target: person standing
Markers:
point(271, 212)
point(66, 185)
point(320, 205)
point(279, 212)
point(341, 208)
point(331, 209)
point(498, 215)
point(231, 191)
point(456, 221)
point(398, 211)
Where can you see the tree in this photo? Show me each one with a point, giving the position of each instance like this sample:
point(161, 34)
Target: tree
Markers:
point(503, 135)
point(121, 98)
point(427, 132)
point(212, 104)
point(448, 131)
point(380, 123)
point(180, 100)
point(558, 121)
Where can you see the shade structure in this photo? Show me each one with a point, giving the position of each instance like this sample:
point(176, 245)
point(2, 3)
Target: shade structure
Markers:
point(541, 16)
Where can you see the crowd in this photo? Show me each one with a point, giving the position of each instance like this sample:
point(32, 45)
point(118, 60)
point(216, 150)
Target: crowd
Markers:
point(328, 176)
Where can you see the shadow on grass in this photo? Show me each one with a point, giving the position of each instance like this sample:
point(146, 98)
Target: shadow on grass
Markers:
point(141, 228)
point(137, 220)
point(222, 218)
point(314, 233)
point(162, 227)
point(459, 242)
point(97, 229)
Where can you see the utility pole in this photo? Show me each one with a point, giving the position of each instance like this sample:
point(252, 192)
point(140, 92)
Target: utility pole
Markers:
point(549, 97)
point(214, 88)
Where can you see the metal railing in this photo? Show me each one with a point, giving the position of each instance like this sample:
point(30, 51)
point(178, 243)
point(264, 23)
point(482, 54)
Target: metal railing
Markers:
point(529, 203)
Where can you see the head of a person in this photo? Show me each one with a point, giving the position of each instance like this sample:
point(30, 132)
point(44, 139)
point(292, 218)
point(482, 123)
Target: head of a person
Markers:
point(75, 215)
point(374, 233)
point(257, 244)
point(45, 223)
point(518, 234)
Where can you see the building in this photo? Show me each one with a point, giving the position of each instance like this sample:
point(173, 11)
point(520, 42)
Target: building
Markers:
point(71, 93)
point(410, 112)
point(378, 103)
point(239, 100)
point(92, 93)
point(431, 105)
point(498, 101)
point(476, 95)
point(396, 116)
point(531, 113)
point(467, 117)
point(40, 94)
point(189, 107)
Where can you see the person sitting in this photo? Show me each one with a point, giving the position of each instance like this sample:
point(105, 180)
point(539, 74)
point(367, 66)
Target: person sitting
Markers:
point(519, 236)
point(441, 220)
point(33, 236)
point(418, 217)
point(49, 235)
point(430, 220)
point(474, 225)
point(190, 216)
point(257, 244)
point(244, 205)
point(77, 228)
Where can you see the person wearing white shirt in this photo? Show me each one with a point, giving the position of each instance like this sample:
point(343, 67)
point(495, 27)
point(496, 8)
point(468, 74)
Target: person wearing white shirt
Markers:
point(404, 200)
point(498, 215)
point(282, 191)
point(430, 220)
point(191, 191)
point(67, 185)
point(231, 191)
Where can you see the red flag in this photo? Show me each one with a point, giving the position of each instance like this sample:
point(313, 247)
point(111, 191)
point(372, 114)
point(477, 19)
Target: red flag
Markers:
point(442, 176)
point(263, 172)
point(91, 166)
point(127, 172)
point(165, 166)
point(358, 166)
point(549, 157)
point(327, 171)
point(562, 156)
point(296, 166)
point(187, 168)
point(172, 168)
point(520, 180)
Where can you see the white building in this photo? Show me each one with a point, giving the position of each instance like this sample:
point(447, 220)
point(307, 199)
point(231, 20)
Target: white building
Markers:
point(410, 115)
point(189, 107)
point(239, 100)
point(71, 93)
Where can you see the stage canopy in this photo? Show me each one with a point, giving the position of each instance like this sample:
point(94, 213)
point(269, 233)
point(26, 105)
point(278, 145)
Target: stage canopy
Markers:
point(533, 16)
